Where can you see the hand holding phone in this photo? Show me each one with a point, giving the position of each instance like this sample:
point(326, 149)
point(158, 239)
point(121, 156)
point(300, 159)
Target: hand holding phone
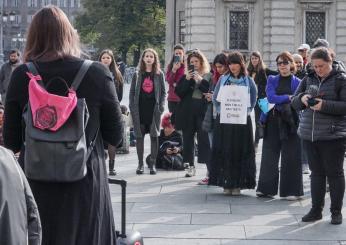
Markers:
point(191, 69)
point(176, 59)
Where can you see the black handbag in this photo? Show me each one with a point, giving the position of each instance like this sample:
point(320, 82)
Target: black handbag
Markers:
point(208, 121)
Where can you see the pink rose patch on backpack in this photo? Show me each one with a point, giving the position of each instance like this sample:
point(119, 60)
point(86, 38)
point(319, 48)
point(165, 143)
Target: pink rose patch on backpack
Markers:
point(148, 85)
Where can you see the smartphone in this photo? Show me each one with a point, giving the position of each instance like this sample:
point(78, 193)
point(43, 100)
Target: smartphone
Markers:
point(176, 59)
point(191, 68)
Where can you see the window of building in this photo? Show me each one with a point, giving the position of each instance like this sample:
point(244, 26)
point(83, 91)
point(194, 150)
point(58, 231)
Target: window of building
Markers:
point(46, 2)
point(78, 3)
point(182, 29)
point(315, 26)
point(72, 3)
point(32, 3)
point(29, 18)
point(239, 30)
point(14, 3)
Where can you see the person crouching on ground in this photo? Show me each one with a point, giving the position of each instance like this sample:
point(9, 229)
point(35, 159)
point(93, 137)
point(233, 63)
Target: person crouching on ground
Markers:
point(170, 146)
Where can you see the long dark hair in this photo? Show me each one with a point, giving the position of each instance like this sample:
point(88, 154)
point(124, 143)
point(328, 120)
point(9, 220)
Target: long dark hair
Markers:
point(261, 66)
point(177, 46)
point(112, 67)
point(237, 58)
point(51, 36)
point(222, 60)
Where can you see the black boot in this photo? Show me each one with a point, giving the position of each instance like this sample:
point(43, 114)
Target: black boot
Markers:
point(336, 217)
point(112, 172)
point(313, 215)
point(151, 165)
point(140, 168)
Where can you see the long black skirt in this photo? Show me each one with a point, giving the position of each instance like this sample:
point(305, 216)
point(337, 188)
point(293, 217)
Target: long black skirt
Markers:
point(233, 162)
point(78, 213)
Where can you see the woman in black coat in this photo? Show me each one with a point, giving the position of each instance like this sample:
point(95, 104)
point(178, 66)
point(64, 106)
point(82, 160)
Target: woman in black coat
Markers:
point(322, 97)
point(191, 109)
point(79, 212)
point(259, 73)
point(106, 57)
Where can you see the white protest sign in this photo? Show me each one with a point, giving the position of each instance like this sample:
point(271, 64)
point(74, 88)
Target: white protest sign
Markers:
point(234, 103)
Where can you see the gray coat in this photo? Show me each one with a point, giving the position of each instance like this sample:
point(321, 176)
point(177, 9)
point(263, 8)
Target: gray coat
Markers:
point(330, 122)
point(5, 77)
point(19, 217)
point(160, 97)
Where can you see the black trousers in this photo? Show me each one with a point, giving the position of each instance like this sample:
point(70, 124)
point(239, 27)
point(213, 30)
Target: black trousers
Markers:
point(326, 160)
point(257, 117)
point(203, 145)
point(291, 178)
point(172, 106)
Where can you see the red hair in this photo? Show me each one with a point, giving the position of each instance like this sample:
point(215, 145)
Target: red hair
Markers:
point(166, 120)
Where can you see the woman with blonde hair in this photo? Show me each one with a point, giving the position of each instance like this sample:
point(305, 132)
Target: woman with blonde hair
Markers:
point(147, 100)
point(79, 212)
point(191, 110)
point(106, 57)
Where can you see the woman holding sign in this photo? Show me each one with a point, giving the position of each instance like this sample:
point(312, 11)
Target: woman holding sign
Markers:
point(233, 153)
point(280, 138)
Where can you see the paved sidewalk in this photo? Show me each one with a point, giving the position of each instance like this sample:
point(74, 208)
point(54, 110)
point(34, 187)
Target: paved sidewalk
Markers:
point(170, 209)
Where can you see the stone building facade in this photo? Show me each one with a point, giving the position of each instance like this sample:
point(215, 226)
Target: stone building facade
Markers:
point(269, 26)
point(23, 11)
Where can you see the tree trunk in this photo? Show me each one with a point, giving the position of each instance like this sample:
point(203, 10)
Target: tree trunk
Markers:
point(136, 55)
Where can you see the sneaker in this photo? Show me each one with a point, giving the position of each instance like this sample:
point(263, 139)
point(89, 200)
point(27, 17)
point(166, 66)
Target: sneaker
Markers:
point(291, 198)
point(227, 191)
point(336, 218)
point(191, 171)
point(112, 172)
point(260, 194)
point(236, 192)
point(312, 216)
point(306, 169)
point(204, 181)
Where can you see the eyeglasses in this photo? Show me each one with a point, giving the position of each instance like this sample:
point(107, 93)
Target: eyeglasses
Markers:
point(282, 63)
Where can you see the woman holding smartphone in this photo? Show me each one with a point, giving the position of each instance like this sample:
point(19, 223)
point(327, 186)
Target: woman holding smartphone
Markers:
point(175, 71)
point(191, 110)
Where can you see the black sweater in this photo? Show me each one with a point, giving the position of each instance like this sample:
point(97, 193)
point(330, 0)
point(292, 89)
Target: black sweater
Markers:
point(97, 88)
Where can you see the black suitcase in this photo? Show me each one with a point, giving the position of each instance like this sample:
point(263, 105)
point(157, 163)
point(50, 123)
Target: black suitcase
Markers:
point(133, 238)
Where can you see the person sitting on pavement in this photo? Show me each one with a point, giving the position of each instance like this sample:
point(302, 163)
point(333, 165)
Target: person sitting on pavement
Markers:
point(170, 146)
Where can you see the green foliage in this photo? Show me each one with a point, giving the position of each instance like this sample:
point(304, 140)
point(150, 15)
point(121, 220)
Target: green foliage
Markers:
point(123, 25)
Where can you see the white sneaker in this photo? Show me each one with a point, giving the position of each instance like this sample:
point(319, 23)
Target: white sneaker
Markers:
point(191, 171)
point(292, 198)
point(306, 169)
point(204, 181)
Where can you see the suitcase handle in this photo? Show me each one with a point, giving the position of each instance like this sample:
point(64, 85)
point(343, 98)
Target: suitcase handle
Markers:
point(123, 184)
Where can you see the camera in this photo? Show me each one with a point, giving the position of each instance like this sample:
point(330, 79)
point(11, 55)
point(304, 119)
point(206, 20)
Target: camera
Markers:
point(312, 101)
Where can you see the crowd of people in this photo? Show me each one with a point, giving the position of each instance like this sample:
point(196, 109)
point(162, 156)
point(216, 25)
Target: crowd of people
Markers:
point(299, 108)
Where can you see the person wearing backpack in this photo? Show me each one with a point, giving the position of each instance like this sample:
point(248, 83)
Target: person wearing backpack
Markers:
point(74, 204)
point(107, 58)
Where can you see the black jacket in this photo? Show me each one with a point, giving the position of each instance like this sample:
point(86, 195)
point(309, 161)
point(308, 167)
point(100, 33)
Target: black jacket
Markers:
point(261, 81)
point(184, 111)
point(330, 122)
